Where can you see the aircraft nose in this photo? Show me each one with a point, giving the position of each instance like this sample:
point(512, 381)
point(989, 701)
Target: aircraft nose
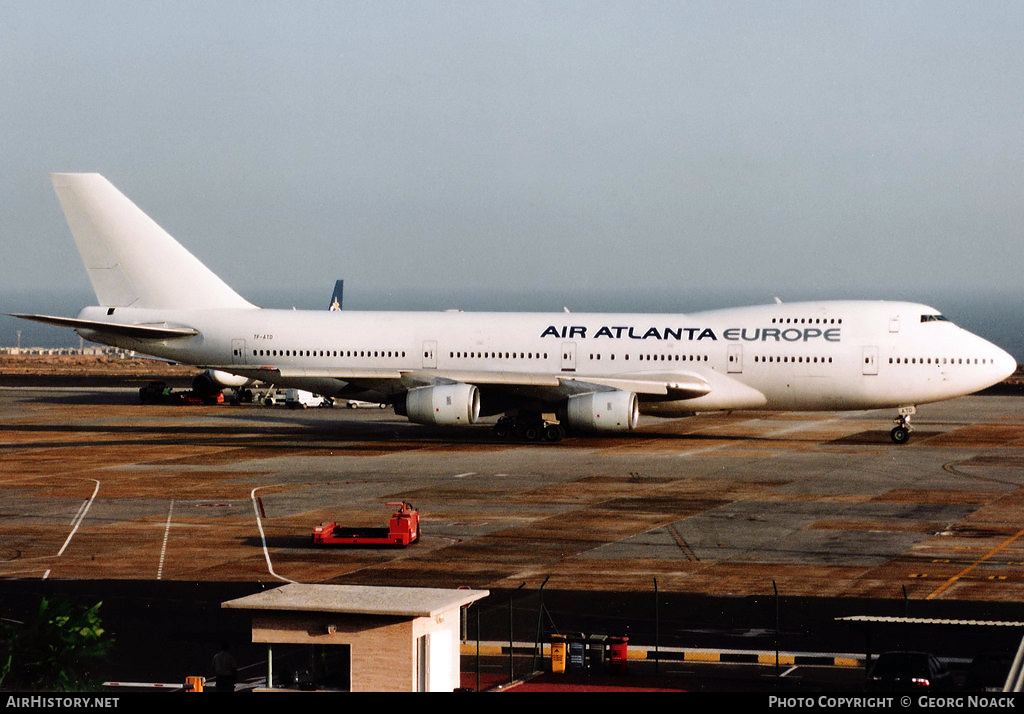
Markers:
point(1005, 362)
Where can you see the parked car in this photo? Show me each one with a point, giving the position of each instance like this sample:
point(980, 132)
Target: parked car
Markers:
point(909, 671)
point(356, 404)
point(300, 399)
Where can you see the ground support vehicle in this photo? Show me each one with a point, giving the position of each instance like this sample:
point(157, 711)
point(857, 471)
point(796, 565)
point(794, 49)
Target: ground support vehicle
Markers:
point(402, 530)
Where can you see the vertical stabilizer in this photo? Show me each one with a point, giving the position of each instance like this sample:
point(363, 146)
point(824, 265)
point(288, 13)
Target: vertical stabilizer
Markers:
point(131, 261)
point(337, 296)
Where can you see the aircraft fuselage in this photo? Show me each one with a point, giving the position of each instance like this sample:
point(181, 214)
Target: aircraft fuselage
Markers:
point(831, 355)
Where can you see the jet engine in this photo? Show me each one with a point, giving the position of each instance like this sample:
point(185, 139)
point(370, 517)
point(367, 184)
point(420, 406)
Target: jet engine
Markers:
point(213, 380)
point(603, 411)
point(444, 404)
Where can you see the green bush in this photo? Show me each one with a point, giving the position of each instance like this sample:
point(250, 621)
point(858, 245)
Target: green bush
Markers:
point(55, 650)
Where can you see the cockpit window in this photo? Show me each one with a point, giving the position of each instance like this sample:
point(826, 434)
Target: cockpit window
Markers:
point(934, 318)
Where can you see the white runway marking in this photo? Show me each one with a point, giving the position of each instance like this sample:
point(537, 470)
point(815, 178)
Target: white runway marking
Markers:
point(163, 548)
point(256, 508)
point(79, 517)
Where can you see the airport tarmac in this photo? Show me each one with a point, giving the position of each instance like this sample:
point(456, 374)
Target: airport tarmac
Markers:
point(96, 486)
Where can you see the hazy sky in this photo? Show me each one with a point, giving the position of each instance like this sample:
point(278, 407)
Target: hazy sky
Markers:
point(801, 149)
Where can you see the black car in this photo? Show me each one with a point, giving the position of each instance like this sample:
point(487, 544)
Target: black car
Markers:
point(908, 671)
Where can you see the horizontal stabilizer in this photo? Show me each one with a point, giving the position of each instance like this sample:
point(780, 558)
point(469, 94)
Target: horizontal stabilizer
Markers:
point(141, 332)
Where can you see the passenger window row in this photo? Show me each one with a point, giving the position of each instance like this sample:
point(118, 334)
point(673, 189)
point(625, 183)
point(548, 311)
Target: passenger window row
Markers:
point(670, 358)
point(807, 321)
point(498, 355)
point(787, 359)
point(328, 353)
point(942, 361)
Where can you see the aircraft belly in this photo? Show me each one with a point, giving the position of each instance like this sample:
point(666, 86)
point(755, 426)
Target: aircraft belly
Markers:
point(153, 348)
point(323, 387)
point(806, 393)
point(721, 397)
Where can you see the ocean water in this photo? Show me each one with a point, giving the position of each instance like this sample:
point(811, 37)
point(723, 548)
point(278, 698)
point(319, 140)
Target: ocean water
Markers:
point(996, 317)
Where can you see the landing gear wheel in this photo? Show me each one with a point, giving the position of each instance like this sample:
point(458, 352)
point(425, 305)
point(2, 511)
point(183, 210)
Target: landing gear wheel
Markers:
point(900, 434)
point(553, 433)
point(528, 429)
point(503, 428)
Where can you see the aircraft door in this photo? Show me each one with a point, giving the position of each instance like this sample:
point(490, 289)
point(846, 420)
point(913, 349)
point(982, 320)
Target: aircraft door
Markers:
point(734, 359)
point(237, 351)
point(430, 354)
point(869, 363)
point(568, 356)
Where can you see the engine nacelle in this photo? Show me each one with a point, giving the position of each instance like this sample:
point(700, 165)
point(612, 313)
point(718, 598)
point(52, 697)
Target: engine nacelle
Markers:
point(445, 404)
point(213, 380)
point(603, 411)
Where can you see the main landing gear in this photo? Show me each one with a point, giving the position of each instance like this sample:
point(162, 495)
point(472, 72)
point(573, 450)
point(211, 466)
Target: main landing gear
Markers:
point(527, 428)
point(900, 433)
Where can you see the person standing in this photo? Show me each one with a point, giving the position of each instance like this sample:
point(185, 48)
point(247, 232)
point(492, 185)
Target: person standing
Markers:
point(225, 669)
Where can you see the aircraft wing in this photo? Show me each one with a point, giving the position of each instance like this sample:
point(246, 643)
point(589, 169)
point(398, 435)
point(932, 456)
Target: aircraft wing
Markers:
point(673, 385)
point(161, 331)
point(548, 386)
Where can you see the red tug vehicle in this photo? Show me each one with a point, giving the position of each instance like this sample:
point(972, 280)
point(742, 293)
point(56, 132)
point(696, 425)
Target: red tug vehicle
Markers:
point(403, 529)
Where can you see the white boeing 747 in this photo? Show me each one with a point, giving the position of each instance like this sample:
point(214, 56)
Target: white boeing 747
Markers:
point(544, 372)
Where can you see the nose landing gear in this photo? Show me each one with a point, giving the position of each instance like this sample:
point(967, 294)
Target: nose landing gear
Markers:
point(900, 433)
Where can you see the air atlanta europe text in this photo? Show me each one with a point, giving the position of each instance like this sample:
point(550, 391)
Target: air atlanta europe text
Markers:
point(696, 334)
